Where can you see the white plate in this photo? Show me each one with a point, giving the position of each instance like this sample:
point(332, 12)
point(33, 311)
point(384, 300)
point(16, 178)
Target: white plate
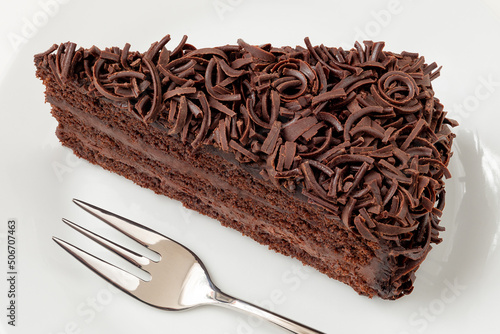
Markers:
point(456, 290)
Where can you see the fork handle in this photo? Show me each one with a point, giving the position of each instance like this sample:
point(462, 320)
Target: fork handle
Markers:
point(283, 322)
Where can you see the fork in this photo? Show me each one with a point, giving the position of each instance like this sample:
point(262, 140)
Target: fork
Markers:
point(179, 280)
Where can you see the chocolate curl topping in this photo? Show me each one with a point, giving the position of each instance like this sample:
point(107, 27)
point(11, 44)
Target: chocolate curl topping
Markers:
point(359, 133)
point(98, 85)
point(257, 52)
point(152, 114)
point(215, 92)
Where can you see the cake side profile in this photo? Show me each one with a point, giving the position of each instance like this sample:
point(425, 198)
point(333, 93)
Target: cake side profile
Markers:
point(334, 157)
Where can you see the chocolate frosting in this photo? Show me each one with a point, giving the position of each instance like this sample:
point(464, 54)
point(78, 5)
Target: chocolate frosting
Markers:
point(359, 133)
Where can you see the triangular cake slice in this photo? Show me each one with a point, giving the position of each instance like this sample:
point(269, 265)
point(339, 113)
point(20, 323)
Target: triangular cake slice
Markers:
point(334, 157)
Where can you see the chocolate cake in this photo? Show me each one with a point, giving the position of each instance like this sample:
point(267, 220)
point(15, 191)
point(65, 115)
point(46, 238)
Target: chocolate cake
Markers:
point(335, 157)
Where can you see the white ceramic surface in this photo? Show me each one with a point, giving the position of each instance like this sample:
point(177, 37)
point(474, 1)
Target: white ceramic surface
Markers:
point(457, 288)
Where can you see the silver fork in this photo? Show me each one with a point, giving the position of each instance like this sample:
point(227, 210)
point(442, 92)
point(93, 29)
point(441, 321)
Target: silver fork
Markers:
point(179, 280)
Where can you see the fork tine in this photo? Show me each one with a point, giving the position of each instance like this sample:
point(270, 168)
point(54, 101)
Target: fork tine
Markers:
point(118, 277)
point(138, 232)
point(125, 253)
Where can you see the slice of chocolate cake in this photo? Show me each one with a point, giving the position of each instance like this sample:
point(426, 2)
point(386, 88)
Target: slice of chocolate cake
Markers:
point(333, 157)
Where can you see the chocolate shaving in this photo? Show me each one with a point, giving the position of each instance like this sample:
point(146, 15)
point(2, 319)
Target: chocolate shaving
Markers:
point(66, 62)
point(294, 130)
point(327, 96)
point(205, 124)
point(156, 98)
point(272, 138)
point(234, 145)
point(178, 92)
point(359, 222)
point(212, 90)
point(347, 212)
point(181, 117)
point(257, 52)
point(310, 180)
point(42, 55)
point(358, 115)
point(98, 85)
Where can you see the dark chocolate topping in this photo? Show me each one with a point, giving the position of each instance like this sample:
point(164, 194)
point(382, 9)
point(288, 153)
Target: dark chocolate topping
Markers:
point(359, 133)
